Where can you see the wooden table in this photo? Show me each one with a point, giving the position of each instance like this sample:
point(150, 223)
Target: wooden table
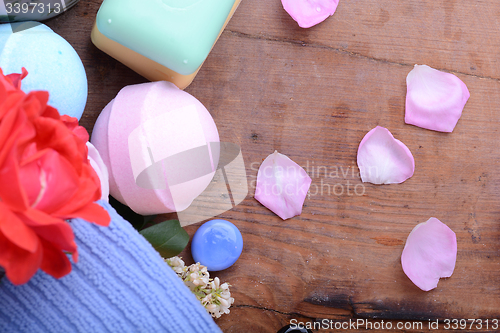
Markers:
point(313, 94)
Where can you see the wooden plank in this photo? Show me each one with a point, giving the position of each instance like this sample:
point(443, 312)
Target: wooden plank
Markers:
point(312, 95)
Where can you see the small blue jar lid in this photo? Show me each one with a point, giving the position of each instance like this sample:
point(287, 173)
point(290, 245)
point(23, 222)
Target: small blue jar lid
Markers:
point(217, 244)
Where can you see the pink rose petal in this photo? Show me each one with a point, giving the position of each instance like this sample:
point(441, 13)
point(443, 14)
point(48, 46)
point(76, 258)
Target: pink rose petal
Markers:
point(282, 185)
point(430, 253)
point(383, 159)
point(434, 99)
point(310, 12)
point(100, 168)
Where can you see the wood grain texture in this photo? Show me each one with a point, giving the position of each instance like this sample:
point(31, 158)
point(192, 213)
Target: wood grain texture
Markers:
point(313, 94)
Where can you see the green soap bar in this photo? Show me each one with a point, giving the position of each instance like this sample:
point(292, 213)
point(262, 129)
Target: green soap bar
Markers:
point(177, 34)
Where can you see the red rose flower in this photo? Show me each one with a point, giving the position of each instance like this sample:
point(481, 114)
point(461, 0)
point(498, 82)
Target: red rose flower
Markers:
point(45, 178)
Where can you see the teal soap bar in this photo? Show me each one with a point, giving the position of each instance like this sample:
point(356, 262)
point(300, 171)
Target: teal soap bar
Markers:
point(177, 34)
point(52, 64)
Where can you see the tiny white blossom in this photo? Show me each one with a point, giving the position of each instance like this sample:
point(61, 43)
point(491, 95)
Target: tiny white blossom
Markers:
point(176, 263)
point(213, 295)
point(223, 302)
point(225, 294)
point(211, 307)
point(215, 283)
point(207, 299)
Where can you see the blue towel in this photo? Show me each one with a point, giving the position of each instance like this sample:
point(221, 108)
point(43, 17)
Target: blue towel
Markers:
point(120, 284)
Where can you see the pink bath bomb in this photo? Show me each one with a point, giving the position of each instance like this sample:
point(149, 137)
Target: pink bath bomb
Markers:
point(160, 145)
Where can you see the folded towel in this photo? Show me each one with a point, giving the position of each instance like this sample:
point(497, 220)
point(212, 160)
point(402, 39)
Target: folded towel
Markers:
point(120, 284)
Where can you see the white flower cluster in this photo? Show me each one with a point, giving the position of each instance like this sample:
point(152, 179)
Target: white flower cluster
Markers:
point(215, 297)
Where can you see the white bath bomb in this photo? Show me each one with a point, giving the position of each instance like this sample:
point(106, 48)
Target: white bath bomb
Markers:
point(160, 145)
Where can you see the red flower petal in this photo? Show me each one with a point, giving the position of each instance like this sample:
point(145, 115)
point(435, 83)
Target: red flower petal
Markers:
point(34, 103)
point(93, 213)
point(56, 231)
point(50, 112)
point(88, 192)
point(29, 175)
point(59, 181)
point(60, 235)
point(6, 81)
point(72, 124)
point(11, 192)
point(52, 133)
point(37, 218)
point(19, 265)
point(16, 231)
point(14, 128)
point(54, 262)
point(16, 78)
point(45, 177)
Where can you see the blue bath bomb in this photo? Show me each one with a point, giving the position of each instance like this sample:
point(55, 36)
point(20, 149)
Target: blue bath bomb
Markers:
point(51, 62)
point(217, 244)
